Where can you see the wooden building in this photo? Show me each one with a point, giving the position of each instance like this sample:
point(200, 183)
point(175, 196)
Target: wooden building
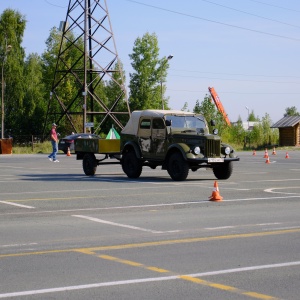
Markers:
point(289, 130)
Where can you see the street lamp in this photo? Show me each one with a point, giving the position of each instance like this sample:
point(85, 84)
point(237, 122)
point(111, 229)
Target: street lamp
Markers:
point(248, 115)
point(7, 49)
point(161, 80)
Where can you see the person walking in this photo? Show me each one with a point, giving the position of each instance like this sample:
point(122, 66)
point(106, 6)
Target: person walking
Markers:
point(54, 143)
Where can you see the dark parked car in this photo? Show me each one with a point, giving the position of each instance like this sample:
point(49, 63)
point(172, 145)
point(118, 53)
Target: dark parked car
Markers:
point(68, 141)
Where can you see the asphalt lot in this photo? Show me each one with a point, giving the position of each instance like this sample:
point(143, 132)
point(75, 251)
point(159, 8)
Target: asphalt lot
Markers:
point(65, 235)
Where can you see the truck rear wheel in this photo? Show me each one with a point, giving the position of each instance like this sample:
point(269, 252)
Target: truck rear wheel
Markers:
point(223, 171)
point(131, 165)
point(177, 168)
point(89, 164)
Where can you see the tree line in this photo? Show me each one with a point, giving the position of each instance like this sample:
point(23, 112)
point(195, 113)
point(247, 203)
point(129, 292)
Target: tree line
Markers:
point(28, 81)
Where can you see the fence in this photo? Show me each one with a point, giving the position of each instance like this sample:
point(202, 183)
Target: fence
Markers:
point(28, 140)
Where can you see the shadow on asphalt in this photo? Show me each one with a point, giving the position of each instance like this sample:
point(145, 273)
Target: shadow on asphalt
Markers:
point(104, 177)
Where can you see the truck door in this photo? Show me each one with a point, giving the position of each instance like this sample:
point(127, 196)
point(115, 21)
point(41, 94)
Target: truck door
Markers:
point(158, 137)
point(144, 136)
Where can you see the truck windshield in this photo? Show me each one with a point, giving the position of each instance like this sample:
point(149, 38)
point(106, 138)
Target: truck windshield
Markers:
point(188, 122)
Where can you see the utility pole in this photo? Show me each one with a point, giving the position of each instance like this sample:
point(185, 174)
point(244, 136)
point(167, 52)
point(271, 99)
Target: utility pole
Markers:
point(95, 66)
point(248, 116)
point(161, 80)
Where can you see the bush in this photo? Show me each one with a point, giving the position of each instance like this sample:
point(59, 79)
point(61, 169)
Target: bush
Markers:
point(44, 147)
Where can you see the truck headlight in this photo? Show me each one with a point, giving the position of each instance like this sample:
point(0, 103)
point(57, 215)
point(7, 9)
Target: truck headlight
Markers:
point(227, 150)
point(196, 150)
point(215, 131)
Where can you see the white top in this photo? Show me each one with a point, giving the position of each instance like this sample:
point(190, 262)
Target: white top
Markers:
point(133, 123)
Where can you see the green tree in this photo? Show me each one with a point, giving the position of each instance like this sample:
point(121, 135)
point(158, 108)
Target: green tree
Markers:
point(49, 57)
point(210, 112)
point(266, 124)
point(146, 83)
point(237, 133)
point(114, 97)
point(252, 117)
point(185, 107)
point(262, 133)
point(256, 135)
point(12, 26)
point(270, 136)
point(197, 108)
point(68, 86)
point(291, 111)
point(35, 103)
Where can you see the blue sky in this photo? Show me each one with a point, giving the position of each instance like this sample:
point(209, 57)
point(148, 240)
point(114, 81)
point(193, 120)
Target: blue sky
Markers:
point(248, 50)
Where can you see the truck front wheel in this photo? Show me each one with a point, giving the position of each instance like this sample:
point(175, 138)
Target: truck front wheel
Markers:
point(223, 171)
point(177, 168)
point(89, 164)
point(131, 165)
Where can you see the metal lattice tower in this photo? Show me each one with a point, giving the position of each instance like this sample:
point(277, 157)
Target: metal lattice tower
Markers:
point(87, 31)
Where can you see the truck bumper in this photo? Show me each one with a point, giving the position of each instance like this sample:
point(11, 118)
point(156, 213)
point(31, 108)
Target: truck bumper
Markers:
point(211, 160)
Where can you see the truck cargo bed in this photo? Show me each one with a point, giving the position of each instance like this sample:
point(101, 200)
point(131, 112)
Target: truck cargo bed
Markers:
point(101, 146)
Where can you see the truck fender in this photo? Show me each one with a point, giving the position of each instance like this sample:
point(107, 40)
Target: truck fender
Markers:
point(134, 146)
point(232, 152)
point(181, 147)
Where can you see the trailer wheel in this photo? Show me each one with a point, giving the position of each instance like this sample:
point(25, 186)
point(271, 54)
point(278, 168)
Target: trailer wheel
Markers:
point(223, 171)
point(177, 168)
point(131, 165)
point(89, 164)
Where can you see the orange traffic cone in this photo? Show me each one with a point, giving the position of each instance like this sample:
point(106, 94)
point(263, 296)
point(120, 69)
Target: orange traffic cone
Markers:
point(68, 153)
point(274, 152)
point(287, 155)
point(254, 152)
point(268, 160)
point(215, 196)
point(266, 154)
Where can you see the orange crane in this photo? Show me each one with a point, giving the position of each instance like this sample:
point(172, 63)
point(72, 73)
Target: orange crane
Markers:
point(219, 104)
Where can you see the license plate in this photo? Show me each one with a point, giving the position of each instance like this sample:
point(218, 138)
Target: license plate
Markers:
point(215, 160)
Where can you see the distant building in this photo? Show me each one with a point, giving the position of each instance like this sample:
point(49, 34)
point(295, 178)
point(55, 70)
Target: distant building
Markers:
point(247, 125)
point(289, 130)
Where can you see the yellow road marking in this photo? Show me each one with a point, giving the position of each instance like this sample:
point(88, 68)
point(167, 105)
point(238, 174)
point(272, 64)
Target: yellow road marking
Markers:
point(195, 240)
point(133, 263)
point(214, 285)
point(207, 283)
point(258, 296)
point(159, 243)
point(227, 288)
point(159, 270)
point(85, 251)
point(36, 253)
point(123, 261)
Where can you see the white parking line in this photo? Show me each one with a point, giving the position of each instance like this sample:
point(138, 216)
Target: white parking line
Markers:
point(284, 197)
point(143, 280)
point(116, 224)
point(15, 204)
point(272, 190)
point(245, 269)
point(17, 245)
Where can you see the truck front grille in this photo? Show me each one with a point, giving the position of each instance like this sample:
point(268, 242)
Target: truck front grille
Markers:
point(213, 148)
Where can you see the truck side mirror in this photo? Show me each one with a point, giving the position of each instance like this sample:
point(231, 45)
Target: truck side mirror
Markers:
point(212, 123)
point(168, 123)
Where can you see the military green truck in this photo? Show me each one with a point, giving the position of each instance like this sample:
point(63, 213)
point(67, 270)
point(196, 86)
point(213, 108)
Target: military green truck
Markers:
point(176, 141)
